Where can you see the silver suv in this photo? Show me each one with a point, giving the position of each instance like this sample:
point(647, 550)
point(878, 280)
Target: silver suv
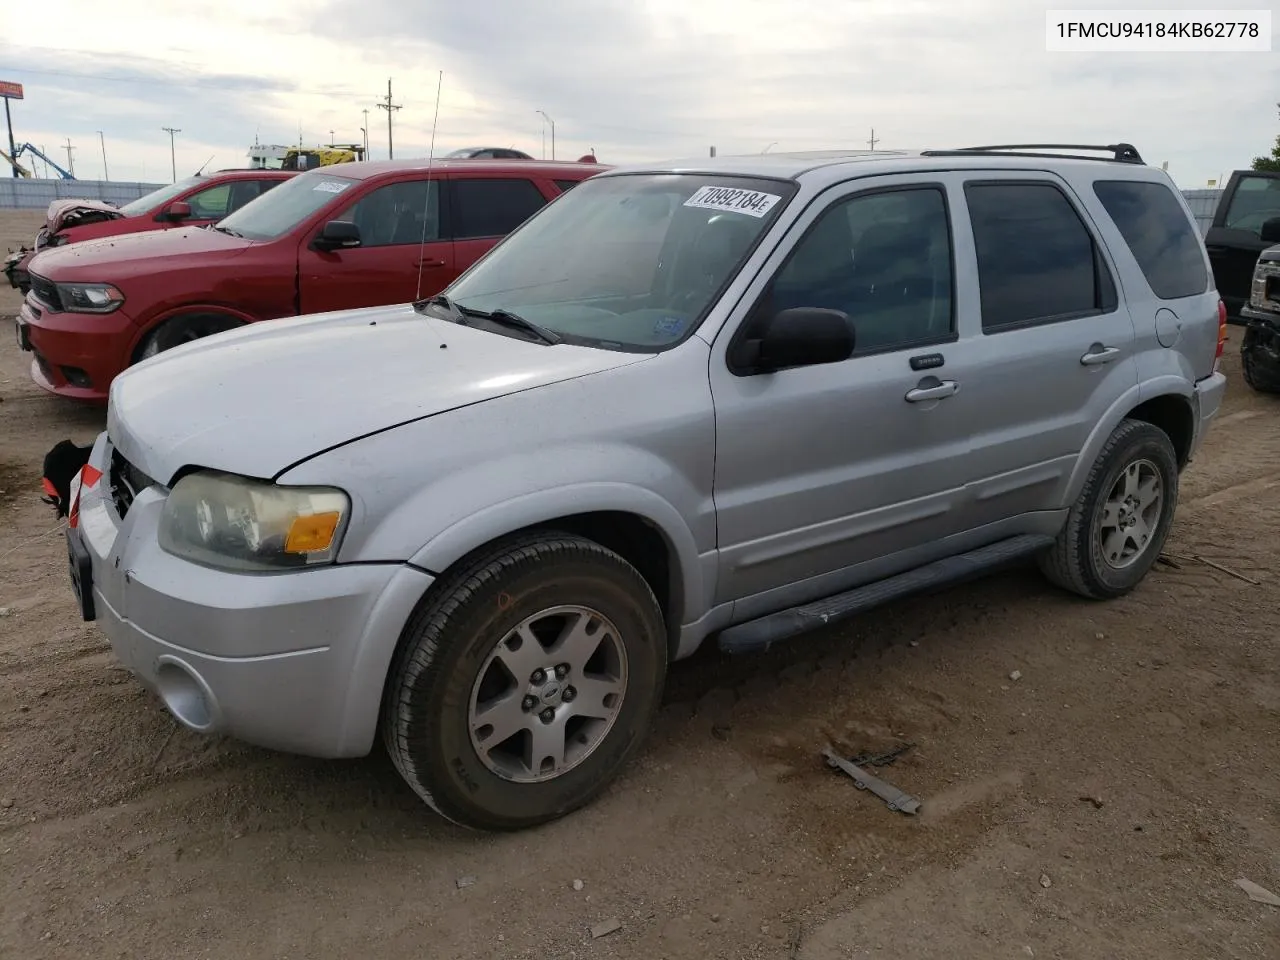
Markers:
point(739, 397)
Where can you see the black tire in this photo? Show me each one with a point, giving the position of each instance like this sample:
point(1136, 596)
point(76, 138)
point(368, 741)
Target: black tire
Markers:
point(183, 329)
point(447, 643)
point(1076, 561)
point(1260, 360)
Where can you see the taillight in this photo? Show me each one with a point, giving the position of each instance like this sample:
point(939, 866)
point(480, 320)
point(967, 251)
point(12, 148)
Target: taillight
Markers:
point(1222, 329)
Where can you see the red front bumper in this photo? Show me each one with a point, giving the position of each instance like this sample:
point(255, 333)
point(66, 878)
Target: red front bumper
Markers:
point(76, 355)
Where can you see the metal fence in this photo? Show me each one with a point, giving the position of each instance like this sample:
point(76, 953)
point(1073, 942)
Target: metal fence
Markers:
point(36, 194)
point(1203, 202)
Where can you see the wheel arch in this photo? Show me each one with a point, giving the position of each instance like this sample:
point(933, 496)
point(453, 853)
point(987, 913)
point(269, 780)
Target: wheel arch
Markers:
point(147, 329)
point(1169, 406)
point(635, 523)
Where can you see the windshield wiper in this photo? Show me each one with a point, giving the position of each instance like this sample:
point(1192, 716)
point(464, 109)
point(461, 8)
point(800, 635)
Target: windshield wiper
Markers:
point(227, 230)
point(508, 319)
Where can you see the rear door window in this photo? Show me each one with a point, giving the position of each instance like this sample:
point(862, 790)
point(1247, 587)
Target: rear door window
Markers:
point(1037, 261)
point(1159, 235)
point(493, 208)
point(564, 186)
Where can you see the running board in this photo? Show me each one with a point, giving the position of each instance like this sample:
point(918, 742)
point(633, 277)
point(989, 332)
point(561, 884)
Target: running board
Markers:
point(760, 634)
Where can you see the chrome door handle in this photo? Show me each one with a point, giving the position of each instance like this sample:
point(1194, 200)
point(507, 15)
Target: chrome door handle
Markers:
point(1099, 354)
point(944, 389)
point(429, 263)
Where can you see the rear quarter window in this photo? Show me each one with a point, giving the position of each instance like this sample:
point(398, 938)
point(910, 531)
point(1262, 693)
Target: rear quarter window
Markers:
point(1159, 235)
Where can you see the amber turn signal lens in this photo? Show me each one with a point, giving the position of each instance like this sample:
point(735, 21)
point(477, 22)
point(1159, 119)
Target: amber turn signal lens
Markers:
point(311, 533)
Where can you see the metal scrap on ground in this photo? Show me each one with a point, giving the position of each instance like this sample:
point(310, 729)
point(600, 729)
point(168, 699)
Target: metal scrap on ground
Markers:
point(895, 798)
point(1258, 894)
point(881, 759)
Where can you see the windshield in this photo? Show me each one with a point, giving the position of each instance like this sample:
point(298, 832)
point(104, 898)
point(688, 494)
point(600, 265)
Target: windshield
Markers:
point(626, 262)
point(157, 197)
point(279, 210)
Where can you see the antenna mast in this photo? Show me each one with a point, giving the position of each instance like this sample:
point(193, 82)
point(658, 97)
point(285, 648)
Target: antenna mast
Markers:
point(426, 203)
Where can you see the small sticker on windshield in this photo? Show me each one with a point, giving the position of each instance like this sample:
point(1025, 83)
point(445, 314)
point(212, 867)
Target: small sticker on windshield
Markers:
point(751, 202)
point(668, 327)
point(331, 186)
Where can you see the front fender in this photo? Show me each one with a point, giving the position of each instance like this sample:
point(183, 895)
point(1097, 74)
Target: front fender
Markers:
point(498, 519)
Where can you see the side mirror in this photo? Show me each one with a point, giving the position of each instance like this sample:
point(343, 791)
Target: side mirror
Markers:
point(1270, 232)
point(338, 235)
point(178, 210)
point(801, 337)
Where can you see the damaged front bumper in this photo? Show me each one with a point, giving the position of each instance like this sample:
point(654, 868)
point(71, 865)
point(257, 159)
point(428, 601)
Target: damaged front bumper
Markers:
point(14, 268)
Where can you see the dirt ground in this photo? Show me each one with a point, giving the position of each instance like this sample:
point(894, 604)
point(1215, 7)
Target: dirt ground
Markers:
point(1100, 806)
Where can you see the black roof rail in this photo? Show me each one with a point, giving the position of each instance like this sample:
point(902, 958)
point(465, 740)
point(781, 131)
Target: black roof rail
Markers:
point(1120, 152)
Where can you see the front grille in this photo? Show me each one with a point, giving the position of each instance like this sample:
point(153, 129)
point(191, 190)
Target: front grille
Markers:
point(127, 481)
point(46, 292)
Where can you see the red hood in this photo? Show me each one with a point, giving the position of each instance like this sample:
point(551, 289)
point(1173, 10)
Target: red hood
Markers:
point(113, 259)
point(67, 212)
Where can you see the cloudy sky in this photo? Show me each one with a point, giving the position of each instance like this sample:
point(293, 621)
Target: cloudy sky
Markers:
point(635, 79)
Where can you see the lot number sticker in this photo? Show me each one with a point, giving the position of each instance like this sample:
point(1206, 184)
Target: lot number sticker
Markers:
point(751, 202)
point(330, 186)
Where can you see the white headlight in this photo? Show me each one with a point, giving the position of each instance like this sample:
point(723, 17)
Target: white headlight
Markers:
point(234, 523)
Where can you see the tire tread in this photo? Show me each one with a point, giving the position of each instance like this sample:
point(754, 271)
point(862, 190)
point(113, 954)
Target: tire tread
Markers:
point(1065, 564)
point(447, 598)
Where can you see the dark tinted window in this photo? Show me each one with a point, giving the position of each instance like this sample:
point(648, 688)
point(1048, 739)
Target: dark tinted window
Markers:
point(242, 191)
point(885, 260)
point(1159, 234)
point(493, 208)
point(1036, 259)
point(397, 213)
point(566, 185)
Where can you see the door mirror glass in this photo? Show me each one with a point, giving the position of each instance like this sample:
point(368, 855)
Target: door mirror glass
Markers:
point(801, 337)
point(338, 235)
point(1270, 232)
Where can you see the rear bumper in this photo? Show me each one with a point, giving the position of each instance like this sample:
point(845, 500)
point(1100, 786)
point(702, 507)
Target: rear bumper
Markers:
point(1207, 401)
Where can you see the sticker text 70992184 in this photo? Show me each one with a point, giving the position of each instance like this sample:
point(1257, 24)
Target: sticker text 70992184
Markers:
point(754, 203)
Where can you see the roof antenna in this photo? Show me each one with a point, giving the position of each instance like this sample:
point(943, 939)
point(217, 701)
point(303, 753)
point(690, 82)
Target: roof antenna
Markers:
point(426, 203)
point(206, 163)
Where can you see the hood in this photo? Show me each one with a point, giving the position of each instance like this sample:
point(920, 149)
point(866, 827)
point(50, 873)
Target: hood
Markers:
point(71, 213)
point(112, 259)
point(257, 400)
point(1270, 254)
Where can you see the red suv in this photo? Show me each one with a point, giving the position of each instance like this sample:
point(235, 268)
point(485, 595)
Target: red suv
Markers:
point(334, 238)
point(195, 201)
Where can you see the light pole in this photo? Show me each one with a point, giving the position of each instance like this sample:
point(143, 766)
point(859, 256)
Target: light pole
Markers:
point(390, 108)
point(103, 143)
point(173, 157)
point(553, 132)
